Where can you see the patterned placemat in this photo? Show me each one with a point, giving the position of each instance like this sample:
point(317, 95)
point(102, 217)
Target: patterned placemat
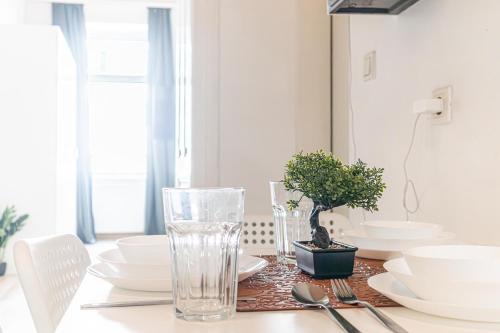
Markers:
point(272, 286)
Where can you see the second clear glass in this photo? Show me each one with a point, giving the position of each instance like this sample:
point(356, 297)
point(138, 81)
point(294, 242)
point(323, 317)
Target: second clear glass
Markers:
point(290, 224)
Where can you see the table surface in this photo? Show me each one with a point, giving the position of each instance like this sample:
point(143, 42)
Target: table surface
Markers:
point(160, 318)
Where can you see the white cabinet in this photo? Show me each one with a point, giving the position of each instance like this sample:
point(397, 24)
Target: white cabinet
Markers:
point(37, 129)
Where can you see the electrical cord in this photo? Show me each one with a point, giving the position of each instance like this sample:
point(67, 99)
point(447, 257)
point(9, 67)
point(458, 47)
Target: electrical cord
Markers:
point(408, 181)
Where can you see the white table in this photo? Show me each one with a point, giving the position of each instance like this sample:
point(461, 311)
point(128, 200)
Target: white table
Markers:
point(153, 319)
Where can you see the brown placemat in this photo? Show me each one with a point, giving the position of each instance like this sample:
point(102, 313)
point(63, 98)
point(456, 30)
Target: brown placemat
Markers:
point(272, 286)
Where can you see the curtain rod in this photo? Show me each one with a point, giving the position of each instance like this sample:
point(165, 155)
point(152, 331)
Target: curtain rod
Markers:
point(147, 3)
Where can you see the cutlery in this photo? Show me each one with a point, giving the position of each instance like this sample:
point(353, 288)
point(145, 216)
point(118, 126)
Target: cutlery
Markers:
point(313, 295)
point(344, 293)
point(121, 304)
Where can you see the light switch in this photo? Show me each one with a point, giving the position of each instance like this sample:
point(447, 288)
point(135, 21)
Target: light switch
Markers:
point(369, 66)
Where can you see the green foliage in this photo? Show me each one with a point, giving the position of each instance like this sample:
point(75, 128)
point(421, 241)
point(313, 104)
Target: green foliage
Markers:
point(10, 224)
point(329, 183)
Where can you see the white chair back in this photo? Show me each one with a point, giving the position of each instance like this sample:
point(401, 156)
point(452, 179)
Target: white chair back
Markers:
point(335, 223)
point(50, 270)
point(258, 234)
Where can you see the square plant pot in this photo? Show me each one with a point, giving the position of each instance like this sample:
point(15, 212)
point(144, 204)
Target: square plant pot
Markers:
point(337, 262)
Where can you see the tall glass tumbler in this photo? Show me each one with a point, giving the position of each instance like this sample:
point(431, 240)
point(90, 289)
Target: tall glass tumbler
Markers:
point(204, 227)
point(290, 224)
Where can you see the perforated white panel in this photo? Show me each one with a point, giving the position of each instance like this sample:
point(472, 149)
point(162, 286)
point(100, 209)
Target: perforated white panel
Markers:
point(258, 234)
point(51, 270)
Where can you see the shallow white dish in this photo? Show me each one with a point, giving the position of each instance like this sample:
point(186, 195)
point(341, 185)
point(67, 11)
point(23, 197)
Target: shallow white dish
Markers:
point(249, 265)
point(360, 239)
point(377, 254)
point(154, 249)
point(439, 290)
point(387, 285)
point(105, 272)
point(117, 263)
point(401, 229)
point(129, 276)
point(455, 262)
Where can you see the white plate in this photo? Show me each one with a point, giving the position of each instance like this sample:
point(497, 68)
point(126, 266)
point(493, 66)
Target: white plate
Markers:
point(361, 240)
point(401, 229)
point(119, 274)
point(387, 285)
point(444, 290)
point(249, 266)
point(117, 263)
point(105, 272)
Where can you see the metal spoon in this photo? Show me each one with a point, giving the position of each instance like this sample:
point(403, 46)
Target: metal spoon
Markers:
point(313, 295)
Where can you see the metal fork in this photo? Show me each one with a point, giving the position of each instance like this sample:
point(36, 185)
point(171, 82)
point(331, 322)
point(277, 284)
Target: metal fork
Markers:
point(345, 294)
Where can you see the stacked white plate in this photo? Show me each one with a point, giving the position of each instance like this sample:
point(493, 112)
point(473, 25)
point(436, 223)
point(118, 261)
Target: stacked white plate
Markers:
point(455, 281)
point(386, 240)
point(143, 263)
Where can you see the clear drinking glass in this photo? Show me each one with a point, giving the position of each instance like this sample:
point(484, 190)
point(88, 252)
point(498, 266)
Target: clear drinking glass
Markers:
point(204, 227)
point(290, 225)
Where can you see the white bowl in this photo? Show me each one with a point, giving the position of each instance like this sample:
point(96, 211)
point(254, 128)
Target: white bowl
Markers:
point(360, 239)
point(401, 229)
point(154, 250)
point(455, 262)
point(117, 263)
point(466, 293)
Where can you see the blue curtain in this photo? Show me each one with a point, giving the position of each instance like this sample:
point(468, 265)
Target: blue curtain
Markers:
point(71, 20)
point(160, 117)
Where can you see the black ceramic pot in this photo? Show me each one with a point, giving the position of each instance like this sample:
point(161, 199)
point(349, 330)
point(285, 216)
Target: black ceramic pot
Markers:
point(325, 263)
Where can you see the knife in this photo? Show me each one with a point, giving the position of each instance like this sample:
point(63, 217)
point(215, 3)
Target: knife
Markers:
point(121, 304)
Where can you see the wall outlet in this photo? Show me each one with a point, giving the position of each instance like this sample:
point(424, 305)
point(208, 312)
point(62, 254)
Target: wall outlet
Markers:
point(445, 94)
point(369, 66)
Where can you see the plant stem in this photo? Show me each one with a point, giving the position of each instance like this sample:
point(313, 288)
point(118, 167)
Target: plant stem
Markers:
point(320, 236)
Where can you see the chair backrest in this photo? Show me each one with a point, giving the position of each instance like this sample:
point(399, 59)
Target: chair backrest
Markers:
point(335, 223)
point(257, 236)
point(50, 270)
point(258, 231)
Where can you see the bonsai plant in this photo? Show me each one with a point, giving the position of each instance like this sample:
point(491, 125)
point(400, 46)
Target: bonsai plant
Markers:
point(329, 183)
point(9, 225)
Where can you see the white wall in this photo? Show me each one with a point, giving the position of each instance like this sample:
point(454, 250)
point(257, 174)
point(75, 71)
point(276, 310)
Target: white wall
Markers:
point(260, 86)
point(264, 91)
point(455, 166)
point(37, 139)
point(12, 11)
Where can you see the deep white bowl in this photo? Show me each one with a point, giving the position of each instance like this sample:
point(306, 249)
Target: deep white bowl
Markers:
point(360, 239)
point(430, 288)
point(117, 263)
point(401, 229)
point(471, 263)
point(153, 250)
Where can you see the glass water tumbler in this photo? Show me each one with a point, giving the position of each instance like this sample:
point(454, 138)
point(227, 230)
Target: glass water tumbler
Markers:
point(290, 224)
point(204, 227)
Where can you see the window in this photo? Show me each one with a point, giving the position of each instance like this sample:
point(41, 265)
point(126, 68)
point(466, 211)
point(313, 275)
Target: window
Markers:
point(117, 56)
point(117, 91)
